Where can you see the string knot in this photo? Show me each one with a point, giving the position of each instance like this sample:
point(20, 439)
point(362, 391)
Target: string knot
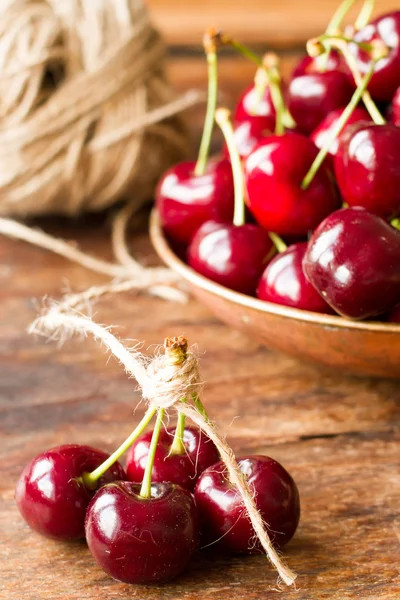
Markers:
point(172, 377)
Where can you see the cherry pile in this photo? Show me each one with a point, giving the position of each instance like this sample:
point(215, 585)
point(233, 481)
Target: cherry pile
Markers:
point(143, 525)
point(302, 207)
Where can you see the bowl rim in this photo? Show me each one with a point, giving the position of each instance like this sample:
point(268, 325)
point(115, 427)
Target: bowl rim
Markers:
point(167, 255)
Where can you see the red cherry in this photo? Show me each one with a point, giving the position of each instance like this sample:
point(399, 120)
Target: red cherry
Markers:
point(394, 315)
point(367, 168)
point(311, 97)
point(183, 469)
point(247, 135)
point(309, 65)
point(142, 540)
point(186, 201)
point(395, 108)
point(274, 173)
point(252, 107)
point(233, 256)
point(353, 260)
point(50, 496)
point(386, 78)
point(321, 134)
point(221, 511)
point(284, 282)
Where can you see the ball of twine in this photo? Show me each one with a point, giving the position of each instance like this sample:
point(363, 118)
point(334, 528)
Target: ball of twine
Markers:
point(86, 113)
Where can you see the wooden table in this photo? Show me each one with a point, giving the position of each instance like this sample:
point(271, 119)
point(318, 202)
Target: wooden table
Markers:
point(338, 436)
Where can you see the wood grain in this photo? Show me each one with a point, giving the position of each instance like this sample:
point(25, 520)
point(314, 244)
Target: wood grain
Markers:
point(272, 23)
point(339, 437)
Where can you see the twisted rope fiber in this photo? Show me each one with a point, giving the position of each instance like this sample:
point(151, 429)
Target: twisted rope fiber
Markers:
point(165, 385)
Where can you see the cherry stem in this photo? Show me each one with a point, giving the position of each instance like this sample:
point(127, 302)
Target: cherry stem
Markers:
point(365, 14)
point(332, 27)
point(222, 117)
point(273, 79)
point(341, 44)
point(145, 490)
point(212, 98)
point(395, 223)
point(277, 241)
point(90, 479)
point(344, 117)
point(176, 354)
point(327, 37)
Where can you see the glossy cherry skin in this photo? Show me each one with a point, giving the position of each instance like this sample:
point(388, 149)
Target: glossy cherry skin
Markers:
point(247, 135)
point(251, 107)
point(183, 469)
point(395, 109)
point(386, 77)
point(274, 172)
point(367, 168)
point(309, 65)
point(353, 260)
point(311, 97)
point(186, 201)
point(232, 256)
point(49, 496)
point(139, 540)
point(394, 315)
point(221, 511)
point(321, 134)
point(283, 282)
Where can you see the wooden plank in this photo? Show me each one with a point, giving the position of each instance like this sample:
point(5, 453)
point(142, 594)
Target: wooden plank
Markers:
point(275, 23)
point(338, 436)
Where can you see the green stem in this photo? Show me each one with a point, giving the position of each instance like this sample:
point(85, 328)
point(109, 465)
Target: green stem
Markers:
point(333, 25)
point(222, 116)
point(200, 407)
point(90, 479)
point(346, 40)
point(277, 241)
point(365, 14)
point(177, 446)
point(212, 99)
point(355, 99)
point(145, 490)
point(395, 223)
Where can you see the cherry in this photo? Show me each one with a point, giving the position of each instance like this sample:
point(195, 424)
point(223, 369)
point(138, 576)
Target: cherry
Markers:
point(185, 201)
point(386, 78)
point(353, 261)
point(222, 516)
point(311, 97)
point(50, 495)
point(142, 540)
point(199, 452)
point(284, 282)
point(309, 65)
point(320, 136)
point(367, 168)
point(395, 108)
point(394, 315)
point(248, 134)
point(255, 108)
point(274, 174)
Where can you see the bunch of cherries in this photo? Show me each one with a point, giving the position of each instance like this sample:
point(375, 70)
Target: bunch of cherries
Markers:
point(143, 524)
point(302, 206)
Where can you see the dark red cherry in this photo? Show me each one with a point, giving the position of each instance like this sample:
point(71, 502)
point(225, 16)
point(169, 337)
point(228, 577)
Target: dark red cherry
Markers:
point(252, 107)
point(221, 511)
point(309, 65)
point(395, 109)
point(142, 540)
point(183, 469)
point(394, 315)
point(321, 134)
point(353, 260)
point(367, 168)
point(311, 97)
point(233, 256)
point(186, 201)
point(386, 78)
point(50, 496)
point(274, 172)
point(284, 282)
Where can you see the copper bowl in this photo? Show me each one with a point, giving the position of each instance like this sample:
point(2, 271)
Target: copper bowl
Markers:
point(361, 348)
